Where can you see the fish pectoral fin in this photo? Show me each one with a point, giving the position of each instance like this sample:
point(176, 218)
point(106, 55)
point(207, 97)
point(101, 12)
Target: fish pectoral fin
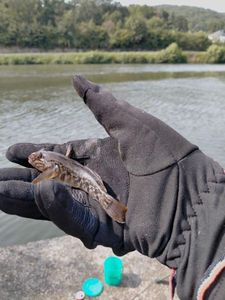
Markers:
point(69, 150)
point(47, 174)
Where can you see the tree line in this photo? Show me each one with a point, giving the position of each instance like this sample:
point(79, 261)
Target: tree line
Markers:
point(93, 24)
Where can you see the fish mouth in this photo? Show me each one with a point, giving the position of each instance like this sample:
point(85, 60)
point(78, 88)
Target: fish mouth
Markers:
point(37, 161)
point(33, 157)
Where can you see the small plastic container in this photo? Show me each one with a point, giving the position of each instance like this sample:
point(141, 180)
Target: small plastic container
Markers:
point(113, 270)
point(92, 287)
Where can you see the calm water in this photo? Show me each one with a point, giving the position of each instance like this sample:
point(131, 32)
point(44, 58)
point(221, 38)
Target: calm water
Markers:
point(38, 104)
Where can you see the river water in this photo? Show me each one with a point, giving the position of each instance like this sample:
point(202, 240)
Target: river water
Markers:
point(38, 104)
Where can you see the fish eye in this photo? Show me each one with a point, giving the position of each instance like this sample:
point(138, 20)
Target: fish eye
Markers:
point(42, 155)
point(39, 154)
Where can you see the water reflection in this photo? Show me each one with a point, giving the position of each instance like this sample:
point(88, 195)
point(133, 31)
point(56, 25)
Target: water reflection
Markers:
point(57, 75)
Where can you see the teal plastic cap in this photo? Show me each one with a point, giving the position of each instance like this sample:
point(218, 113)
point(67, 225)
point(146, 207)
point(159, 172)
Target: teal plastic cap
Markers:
point(113, 270)
point(92, 287)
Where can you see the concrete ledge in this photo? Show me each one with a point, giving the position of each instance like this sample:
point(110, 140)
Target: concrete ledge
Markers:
point(56, 268)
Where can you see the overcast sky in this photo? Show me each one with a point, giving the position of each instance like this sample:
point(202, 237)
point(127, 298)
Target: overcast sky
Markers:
point(218, 5)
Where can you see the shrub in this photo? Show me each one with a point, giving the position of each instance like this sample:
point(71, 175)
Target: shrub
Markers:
point(172, 54)
point(194, 41)
point(215, 54)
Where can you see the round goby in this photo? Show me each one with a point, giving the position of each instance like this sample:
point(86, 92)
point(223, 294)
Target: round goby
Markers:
point(60, 167)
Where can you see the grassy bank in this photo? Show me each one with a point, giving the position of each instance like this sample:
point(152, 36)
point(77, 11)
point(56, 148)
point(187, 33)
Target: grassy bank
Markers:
point(172, 54)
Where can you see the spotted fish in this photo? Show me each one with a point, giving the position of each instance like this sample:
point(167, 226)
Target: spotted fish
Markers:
point(62, 168)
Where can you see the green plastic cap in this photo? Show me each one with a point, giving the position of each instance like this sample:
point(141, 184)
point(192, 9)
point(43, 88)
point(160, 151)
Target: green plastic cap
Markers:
point(92, 287)
point(113, 270)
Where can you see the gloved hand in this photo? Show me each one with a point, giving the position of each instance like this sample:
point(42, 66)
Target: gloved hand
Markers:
point(174, 193)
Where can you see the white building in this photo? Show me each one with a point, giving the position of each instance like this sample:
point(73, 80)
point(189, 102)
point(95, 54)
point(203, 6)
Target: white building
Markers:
point(217, 37)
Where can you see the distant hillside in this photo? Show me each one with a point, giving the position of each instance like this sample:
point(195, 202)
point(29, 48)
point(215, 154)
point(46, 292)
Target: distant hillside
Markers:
point(198, 18)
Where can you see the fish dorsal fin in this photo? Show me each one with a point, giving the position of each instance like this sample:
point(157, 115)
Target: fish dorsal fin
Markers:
point(69, 150)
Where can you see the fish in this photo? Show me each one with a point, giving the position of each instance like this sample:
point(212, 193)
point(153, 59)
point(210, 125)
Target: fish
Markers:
point(63, 169)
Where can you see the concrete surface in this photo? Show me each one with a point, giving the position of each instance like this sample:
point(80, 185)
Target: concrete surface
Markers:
point(56, 268)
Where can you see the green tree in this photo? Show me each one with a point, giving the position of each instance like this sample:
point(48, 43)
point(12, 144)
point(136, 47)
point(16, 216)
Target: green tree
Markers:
point(51, 11)
point(181, 23)
point(196, 41)
point(6, 36)
point(155, 23)
point(67, 30)
point(144, 11)
point(117, 16)
point(138, 29)
point(92, 36)
point(122, 39)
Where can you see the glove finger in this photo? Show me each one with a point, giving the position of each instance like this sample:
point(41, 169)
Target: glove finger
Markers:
point(17, 198)
point(113, 115)
point(68, 210)
point(146, 144)
point(22, 174)
point(18, 153)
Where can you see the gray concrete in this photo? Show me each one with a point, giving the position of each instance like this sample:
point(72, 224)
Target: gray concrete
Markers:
point(55, 269)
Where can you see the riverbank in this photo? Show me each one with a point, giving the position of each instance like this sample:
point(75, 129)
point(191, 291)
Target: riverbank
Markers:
point(172, 54)
point(56, 268)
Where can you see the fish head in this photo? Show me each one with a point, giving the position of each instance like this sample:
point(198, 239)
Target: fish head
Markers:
point(41, 160)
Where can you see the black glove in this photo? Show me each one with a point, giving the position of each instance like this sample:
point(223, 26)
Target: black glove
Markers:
point(174, 193)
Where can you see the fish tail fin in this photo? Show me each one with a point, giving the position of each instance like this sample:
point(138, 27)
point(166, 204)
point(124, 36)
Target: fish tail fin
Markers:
point(115, 209)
